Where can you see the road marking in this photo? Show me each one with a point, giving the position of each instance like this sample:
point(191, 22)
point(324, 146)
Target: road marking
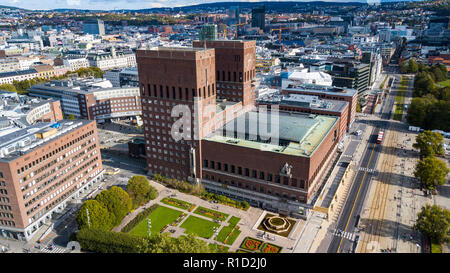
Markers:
point(344, 234)
point(54, 250)
point(356, 199)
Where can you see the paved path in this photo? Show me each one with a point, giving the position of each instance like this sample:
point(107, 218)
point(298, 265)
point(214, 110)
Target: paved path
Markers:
point(247, 224)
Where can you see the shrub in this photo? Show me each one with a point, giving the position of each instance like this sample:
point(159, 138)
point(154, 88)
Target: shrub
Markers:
point(101, 241)
point(136, 220)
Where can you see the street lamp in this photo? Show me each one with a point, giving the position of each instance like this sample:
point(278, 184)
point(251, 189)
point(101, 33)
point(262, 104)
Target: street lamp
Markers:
point(149, 226)
point(215, 235)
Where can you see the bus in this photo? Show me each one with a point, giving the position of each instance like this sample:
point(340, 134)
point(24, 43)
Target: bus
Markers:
point(380, 136)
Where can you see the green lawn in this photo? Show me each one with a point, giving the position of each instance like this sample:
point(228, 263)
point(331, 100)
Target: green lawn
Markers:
point(234, 220)
point(225, 231)
point(400, 99)
point(199, 227)
point(445, 83)
point(176, 203)
point(436, 248)
point(160, 217)
point(210, 213)
point(222, 249)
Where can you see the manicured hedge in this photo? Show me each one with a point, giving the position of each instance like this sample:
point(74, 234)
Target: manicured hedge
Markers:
point(136, 220)
point(101, 241)
point(225, 200)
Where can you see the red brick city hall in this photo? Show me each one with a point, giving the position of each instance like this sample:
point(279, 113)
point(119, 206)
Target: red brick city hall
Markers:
point(229, 154)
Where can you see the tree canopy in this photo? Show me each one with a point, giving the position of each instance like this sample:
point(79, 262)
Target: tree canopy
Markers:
point(430, 143)
point(140, 190)
point(434, 222)
point(117, 201)
point(99, 217)
point(431, 172)
point(101, 241)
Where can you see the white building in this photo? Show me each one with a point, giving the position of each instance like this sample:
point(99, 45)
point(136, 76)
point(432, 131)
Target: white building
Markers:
point(302, 77)
point(76, 63)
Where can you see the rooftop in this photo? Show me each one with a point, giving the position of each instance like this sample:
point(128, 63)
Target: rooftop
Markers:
point(24, 141)
point(342, 91)
point(19, 111)
point(306, 101)
point(298, 134)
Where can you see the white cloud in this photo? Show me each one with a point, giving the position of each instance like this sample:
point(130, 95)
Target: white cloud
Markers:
point(73, 2)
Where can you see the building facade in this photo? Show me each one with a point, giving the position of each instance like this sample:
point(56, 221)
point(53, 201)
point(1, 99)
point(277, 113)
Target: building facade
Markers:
point(42, 167)
point(235, 69)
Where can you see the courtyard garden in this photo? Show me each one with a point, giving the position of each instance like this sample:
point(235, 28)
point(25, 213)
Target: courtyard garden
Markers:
point(160, 217)
point(199, 227)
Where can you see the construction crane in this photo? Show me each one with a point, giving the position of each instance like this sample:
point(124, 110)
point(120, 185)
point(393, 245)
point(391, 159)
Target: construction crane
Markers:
point(279, 36)
point(225, 32)
point(236, 28)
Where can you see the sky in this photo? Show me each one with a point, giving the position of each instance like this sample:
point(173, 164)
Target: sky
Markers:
point(119, 4)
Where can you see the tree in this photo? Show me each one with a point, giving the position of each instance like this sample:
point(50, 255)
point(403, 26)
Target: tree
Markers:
point(434, 222)
point(412, 66)
point(71, 117)
point(421, 67)
point(8, 87)
point(417, 111)
point(163, 243)
point(423, 84)
point(403, 67)
point(99, 217)
point(430, 143)
point(140, 190)
point(102, 241)
point(431, 172)
point(437, 73)
point(358, 107)
point(117, 201)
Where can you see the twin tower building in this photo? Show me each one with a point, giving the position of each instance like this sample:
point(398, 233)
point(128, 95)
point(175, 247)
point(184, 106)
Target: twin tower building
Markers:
point(201, 125)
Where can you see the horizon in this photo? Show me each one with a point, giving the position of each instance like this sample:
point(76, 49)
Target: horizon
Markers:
point(139, 4)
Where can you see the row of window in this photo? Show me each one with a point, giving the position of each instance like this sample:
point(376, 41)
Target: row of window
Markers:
point(7, 223)
point(260, 189)
point(6, 215)
point(5, 207)
point(59, 149)
point(66, 193)
point(177, 94)
point(253, 173)
point(227, 76)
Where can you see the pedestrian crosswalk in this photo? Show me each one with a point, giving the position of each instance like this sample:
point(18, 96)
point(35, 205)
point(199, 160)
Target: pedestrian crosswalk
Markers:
point(366, 170)
point(347, 235)
point(54, 250)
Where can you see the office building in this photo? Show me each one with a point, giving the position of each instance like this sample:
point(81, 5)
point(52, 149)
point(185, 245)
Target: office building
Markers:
point(42, 168)
point(259, 17)
point(208, 32)
point(94, 26)
point(93, 99)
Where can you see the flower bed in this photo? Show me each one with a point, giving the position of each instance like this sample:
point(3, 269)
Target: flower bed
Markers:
point(270, 248)
point(232, 236)
point(180, 218)
point(251, 244)
point(211, 213)
point(177, 203)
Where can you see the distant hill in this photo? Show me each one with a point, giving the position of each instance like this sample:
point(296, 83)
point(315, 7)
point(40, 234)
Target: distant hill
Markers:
point(9, 7)
point(270, 6)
